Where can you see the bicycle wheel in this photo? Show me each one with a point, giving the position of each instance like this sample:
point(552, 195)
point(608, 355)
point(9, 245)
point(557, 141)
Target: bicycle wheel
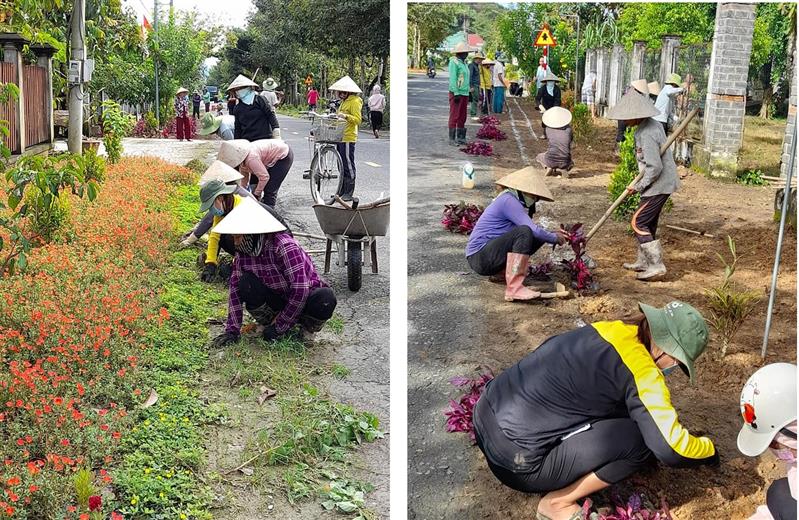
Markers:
point(326, 173)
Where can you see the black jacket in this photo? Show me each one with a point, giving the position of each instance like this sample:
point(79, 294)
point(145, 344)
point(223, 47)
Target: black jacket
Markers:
point(254, 121)
point(579, 377)
point(543, 97)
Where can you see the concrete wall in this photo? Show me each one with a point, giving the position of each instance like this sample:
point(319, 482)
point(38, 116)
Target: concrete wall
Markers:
point(790, 128)
point(726, 97)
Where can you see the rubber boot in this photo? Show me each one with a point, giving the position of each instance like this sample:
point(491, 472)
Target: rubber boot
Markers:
point(515, 272)
point(461, 136)
point(263, 315)
point(654, 259)
point(452, 136)
point(640, 264)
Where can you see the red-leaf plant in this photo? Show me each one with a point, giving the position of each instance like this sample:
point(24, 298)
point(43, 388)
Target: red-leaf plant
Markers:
point(489, 120)
point(541, 271)
point(637, 507)
point(578, 269)
point(478, 148)
point(461, 217)
point(459, 413)
point(491, 132)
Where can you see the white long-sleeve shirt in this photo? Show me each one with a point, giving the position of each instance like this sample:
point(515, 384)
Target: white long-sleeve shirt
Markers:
point(665, 102)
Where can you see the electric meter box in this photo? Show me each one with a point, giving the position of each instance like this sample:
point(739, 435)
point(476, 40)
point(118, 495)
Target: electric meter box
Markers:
point(88, 69)
point(74, 72)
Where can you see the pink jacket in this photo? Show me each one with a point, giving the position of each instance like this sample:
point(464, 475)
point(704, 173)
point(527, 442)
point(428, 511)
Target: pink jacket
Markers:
point(263, 155)
point(762, 512)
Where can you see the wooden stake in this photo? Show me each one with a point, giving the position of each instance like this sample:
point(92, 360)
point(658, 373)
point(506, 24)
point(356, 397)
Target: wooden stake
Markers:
point(701, 233)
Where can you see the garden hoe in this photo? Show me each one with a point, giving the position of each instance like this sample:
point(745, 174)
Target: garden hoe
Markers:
point(624, 195)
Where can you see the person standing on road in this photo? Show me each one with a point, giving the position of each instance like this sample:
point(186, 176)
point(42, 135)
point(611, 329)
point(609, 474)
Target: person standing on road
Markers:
point(549, 96)
point(474, 83)
point(486, 82)
point(659, 182)
point(268, 93)
point(768, 407)
point(222, 126)
point(665, 101)
point(641, 87)
point(196, 99)
point(313, 98)
point(589, 91)
point(498, 82)
point(255, 118)
point(606, 411)
point(540, 73)
point(350, 110)
point(273, 278)
point(458, 94)
point(558, 130)
point(264, 163)
point(182, 123)
point(207, 101)
point(505, 235)
point(377, 103)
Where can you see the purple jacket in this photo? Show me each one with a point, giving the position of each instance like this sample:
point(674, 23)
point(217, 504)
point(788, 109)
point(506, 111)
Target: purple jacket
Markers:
point(502, 215)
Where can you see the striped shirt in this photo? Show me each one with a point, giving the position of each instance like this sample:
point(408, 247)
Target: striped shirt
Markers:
point(284, 267)
point(182, 106)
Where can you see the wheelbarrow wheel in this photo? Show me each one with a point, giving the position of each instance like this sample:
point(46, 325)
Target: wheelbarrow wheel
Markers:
point(354, 265)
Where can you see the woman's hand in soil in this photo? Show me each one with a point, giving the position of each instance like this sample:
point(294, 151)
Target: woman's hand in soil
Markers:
point(208, 274)
point(224, 339)
point(562, 237)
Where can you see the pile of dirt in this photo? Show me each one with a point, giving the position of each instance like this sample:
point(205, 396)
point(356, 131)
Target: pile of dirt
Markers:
point(709, 407)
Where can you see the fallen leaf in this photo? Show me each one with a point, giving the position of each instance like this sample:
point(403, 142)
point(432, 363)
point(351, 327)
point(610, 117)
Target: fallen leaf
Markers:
point(247, 471)
point(250, 327)
point(266, 393)
point(151, 400)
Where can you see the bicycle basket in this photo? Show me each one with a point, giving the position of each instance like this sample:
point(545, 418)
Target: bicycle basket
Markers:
point(326, 130)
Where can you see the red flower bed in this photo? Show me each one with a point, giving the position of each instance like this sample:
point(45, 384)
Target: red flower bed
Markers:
point(71, 339)
point(171, 128)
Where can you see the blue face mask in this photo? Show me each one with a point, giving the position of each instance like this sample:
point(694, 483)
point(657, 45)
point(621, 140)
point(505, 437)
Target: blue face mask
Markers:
point(246, 95)
point(217, 212)
point(668, 370)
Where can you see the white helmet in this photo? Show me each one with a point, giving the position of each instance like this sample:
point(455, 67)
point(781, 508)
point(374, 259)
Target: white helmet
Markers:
point(768, 404)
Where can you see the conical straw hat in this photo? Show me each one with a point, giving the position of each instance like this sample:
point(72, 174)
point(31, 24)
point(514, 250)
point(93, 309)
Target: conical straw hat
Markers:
point(180, 91)
point(550, 76)
point(233, 152)
point(248, 218)
point(487, 62)
point(241, 82)
point(461, 47)
point(528, 181)
point(641, 86)
point(632, 106)
point(478, 56)
point(556, 117)
point(345, 84)
point(654, 88)
point(221, 171)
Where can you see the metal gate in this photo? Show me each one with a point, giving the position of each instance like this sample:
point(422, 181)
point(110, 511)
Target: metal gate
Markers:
point(8, 111)
point(37, 126)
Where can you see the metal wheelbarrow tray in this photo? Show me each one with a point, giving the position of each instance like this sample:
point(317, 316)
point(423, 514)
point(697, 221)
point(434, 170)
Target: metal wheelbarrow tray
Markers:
point(351, 229)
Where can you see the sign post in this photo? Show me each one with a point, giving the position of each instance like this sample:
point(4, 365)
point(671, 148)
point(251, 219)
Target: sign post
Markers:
point(545, 40)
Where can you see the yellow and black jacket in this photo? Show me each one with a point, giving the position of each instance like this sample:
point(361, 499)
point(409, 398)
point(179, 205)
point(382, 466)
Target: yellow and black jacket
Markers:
point(577, 378)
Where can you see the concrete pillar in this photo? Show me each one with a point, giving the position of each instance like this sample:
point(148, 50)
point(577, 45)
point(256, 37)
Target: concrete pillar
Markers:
point(637, 71)
point(668, 56)
point(590, 61)
point(616, 84)
point(726, 93)
point(602, 73)
point(789, 130)
point(12, 54)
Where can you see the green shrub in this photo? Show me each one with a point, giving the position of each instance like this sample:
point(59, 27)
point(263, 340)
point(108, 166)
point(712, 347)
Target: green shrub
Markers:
point(196, 165)
point(46, 219)
point(623, 175)
point(751, 178)
point(92, 165)
point(582, 124)
point(116, 126)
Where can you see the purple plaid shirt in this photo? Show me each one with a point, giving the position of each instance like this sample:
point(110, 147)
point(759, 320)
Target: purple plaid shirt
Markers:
point(284, 267)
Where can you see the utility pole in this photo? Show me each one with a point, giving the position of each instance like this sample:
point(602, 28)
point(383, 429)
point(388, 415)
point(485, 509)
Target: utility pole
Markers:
point(77, 42)
point(155, 62)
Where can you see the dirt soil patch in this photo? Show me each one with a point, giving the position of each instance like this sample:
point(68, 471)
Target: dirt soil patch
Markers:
point(710, 407)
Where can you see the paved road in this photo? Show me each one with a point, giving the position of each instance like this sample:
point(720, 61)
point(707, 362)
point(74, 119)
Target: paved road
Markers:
point(365, 348)
point(444, 307)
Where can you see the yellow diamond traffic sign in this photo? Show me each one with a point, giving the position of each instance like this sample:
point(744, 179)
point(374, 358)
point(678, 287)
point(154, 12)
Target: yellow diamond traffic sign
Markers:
point(544, 38)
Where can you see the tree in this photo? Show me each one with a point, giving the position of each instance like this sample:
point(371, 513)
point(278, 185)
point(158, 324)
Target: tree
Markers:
point(428, 25)
point(772, 47)
point(695, 22)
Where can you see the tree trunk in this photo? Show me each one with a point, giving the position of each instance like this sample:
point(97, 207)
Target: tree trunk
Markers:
point(765, 76)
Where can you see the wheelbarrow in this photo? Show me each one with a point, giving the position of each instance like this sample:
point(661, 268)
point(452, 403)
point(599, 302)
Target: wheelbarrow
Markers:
point(354, 230)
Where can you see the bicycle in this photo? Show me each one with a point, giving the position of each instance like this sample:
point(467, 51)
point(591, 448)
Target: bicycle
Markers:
point(325, 173)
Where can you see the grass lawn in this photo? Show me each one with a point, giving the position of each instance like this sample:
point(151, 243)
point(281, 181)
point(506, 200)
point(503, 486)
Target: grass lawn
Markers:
point(762, 146)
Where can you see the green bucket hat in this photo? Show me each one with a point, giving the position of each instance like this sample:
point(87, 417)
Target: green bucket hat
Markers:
point(679, 330)
point(210, 191)
point(673, 79)
point(210, 124)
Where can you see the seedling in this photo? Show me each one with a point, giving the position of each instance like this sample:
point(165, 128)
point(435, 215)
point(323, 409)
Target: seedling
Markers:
point(478, 148)
point(461, 217)
point(459, 413)
point(728, 306)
